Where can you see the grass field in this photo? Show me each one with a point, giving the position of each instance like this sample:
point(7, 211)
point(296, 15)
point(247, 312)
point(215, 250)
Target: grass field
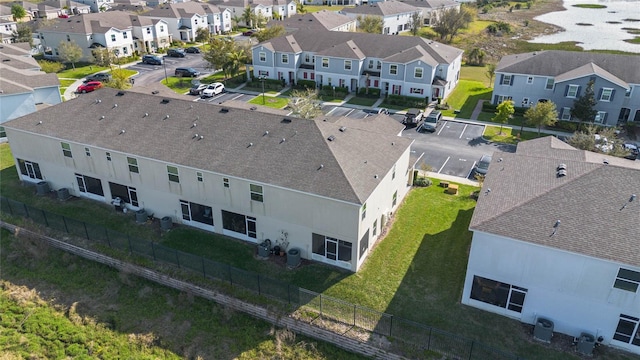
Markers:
point(270, 101)
point(415, 273)
point(465, 97)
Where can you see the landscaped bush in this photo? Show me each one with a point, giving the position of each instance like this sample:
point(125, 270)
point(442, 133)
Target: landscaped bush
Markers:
point(569, 126)
point(334, 91)
point(269, 84)
point(305, 84)
point(422, 182)
point(488, 107)
point(406, 101)
point(50, 66)
point(373, 92)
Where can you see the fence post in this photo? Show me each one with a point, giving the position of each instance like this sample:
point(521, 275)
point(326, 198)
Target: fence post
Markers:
point(9, 206)
point(429, 342)
point(106, 231)
point(230, 277)
point(354, 314)
point(44, 215)
point(86, 233)
point(64, 221)
point(320, 304)
point(177, 258)
point(471, 351)
point(153, 250)
point(258, 279)
point(204, 272)
point(391, 326)
point(289, 292)
point(129, 241)
point(26, 209)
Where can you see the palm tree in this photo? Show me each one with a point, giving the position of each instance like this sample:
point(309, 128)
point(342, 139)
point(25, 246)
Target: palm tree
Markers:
point(247, 16)
point(235, 20)
point(235, 60)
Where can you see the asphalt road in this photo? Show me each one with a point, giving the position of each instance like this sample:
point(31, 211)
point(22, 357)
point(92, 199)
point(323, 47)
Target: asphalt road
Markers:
point(153, 74)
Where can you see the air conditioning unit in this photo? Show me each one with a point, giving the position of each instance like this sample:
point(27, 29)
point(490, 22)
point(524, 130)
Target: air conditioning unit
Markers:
point(543, 330)
point(585, 344)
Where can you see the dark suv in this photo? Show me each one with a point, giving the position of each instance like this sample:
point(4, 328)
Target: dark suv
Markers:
point(186, 72)
point(152, 60)
point(102, 77)
point(176, 53)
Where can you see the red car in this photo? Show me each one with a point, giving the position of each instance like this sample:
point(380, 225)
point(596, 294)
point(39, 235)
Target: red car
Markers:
point(89, 86)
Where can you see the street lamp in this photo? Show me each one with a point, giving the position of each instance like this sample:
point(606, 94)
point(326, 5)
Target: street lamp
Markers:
point(262, 79)
point(116, 52)
point(164, 65)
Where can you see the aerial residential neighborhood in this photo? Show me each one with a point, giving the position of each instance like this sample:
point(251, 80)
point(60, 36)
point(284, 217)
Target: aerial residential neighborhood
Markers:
point(421, 182)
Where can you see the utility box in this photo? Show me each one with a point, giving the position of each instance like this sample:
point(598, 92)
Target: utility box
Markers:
point(42, 188)
point(543, 330)
point(293, 258)
point(166, 223)
point(586, 343)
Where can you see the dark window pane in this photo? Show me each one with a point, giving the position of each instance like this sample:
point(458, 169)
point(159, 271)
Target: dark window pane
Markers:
point(629, 275)
point(318, 244)
point(120, 191)
point(234, 222)
point(625, 285)
point(344, 251)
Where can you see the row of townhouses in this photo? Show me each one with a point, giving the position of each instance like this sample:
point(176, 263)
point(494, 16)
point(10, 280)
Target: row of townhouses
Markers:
point(405, 65)
point(330, 184)
point(563, 76)
point(267, 9)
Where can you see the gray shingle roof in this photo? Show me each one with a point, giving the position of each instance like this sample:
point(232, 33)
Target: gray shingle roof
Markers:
point(555, 63)
point(432, 4)
point(318, 20)
point(95, 22)
point(382, 8)
point(349, 162)
point(371, 45)
point(527, 198)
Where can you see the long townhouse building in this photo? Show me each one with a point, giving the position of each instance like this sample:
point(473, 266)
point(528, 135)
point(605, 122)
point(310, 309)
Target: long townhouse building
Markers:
point(399, 65)
point(330, 184)
point(562, 77)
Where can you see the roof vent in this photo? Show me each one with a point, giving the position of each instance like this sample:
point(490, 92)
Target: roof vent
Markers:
point(633, 197)
point(166, 116)
point(146, 114)
point(120, 93)
point(561, 173)
point(115, 106)
point(97, 101)
point(320, 167)
point(266, 133)
point(561, 167)
point(122, 131)
point(102, 117)
point(286, 121)
point(555, 228)
point(224, 110)
point(605, 161)
point(194, 125)
point(164, 101)
point(253, 108)
point(155, 92)
point(195, 136)
point(201, 137)
point(375, 176)
point(39, 122)
point(331, 138)
point(250, 145)
point(343, 128)
point(282, 140)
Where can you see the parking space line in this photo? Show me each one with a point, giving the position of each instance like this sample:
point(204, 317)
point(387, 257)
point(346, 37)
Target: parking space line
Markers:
point(349, 113)
point(330, 111)
point(237, 97)
point(442, 127)
point(470, 171)
point(445, 163)
point(462, 133)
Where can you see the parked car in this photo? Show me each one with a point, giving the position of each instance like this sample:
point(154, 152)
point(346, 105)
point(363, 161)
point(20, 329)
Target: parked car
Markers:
point(196, 89)
point(213, 89)
point(412, 117)
point(250, 32)
point(186, 72)
point(633, 151)
point(192, 50)
point(89, 87)
point(152, 60)
point(430, 122)
point(176, 53)
point(482, 167)
point(102, 77)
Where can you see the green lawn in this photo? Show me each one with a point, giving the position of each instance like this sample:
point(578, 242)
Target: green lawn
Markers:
point(465, 97)
point(475, 73)
point(316, 8)
point(509, 134)
point(362, 101)
point(178, 84)
point(80, 71)
point(270, 101)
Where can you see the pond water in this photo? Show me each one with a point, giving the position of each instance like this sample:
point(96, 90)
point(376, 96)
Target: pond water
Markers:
point(605, 30)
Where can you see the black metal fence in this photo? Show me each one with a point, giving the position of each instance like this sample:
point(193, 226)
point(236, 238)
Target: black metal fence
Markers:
point(413, 338)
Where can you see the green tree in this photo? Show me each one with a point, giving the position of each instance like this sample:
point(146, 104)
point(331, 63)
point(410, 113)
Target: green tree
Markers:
point(476, 56)
point(18, 12)
point(504, 111)
point(608, 141)
point(248, 16)
point(235, 59)
point(50, 67)
point(541, 114)
point(305, 104)
point(370, 24)
point(119, 79)
point(583, 106)
point(69, 51)
point(491, 73)
point(416, 23)
point(23, 34)
point(235, 20)
point(270, 33)
point(102, 57)
point(300, 9)
point(202, 35)
point(451, 21)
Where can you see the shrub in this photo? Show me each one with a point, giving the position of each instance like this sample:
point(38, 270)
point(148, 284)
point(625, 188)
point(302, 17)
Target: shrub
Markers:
point(307, 84)
point(406, 101)
point(422, 182)
point(50, 66)
point(488, 107)
point(373, 92)
point(569, 126)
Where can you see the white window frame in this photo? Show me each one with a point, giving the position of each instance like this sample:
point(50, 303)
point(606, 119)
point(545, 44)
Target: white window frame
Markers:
point(133, 165)
point(325, 62)
point(113, 37)
point(606, 95)
point(285, 58)
point(506, 80)
point(634, 337)
point(225, 182)
point(549, 84)
point(347, 65)
point(566, 113)
point(364, 211)
point(530, 80)
point(66, 150)
point(262, 56)
point(600, 117)
point(257, 192)
point(418, 72)
point(199, 176)
point(572, 91)
point(393, 69)
point(627, 280)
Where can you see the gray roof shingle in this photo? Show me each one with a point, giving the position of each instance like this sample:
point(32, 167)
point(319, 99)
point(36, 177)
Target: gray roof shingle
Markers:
point(284, 154)
point(382, 8)
point(371, 45)
point(555, 63)
point(527, 198)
